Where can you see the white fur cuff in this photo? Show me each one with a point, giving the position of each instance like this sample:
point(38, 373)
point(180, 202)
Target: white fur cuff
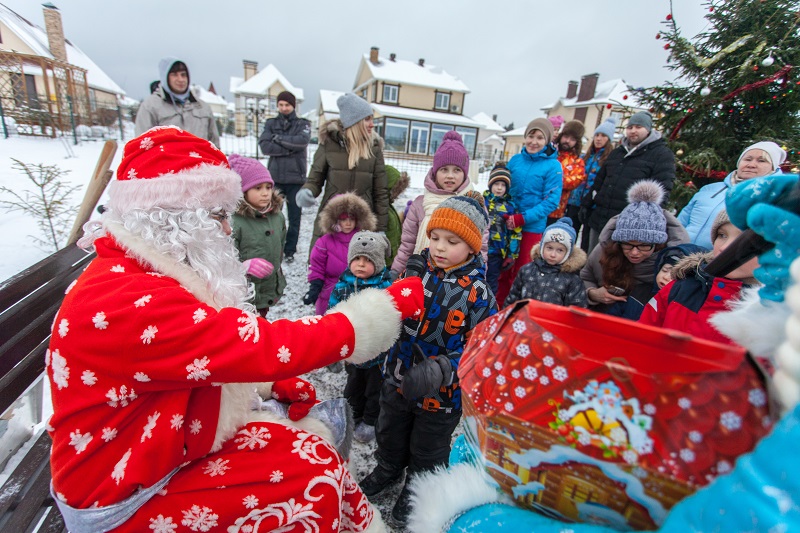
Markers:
point(375, 321)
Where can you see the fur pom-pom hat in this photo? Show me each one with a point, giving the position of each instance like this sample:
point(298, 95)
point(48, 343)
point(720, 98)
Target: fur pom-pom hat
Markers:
point(574, 129)
point(166, 167)
point(643, 218)
point(370, 244)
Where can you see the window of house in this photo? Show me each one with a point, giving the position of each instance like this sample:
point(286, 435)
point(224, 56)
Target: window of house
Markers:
point(378, 122)
point(437, 132)
point(469, 136)
point(442, 101)
point(419, 138)
point(396, 135)
point(390, 94)
point(364, 93)
point(92, 100)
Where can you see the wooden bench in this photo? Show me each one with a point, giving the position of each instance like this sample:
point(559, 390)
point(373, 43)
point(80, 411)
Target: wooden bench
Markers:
point(28, 305)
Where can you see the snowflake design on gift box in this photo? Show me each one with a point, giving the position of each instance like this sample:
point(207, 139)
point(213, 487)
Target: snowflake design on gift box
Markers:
point(723, 467)
point(730, 421)
point(515, 374)
point(498, 365)
point(544, 380)
point(695, 436)
point(501, 379)
point(757, 398)
point(687, 455)
point(509, 407)
point(99, 320)
point(530, 373)
point(486, 372)
point(199, 315)
point(560, 373)
point(518, 326)
point(547, 336)
point(649, 409)
point(684, 403)
point(161, 524)
point(519, 392)
point(523, 350)
point(548, 361)
point(199, 519)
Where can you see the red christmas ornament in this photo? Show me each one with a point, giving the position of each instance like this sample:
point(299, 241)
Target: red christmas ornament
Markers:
point(690, 184)
point(755, 68)
point(608, 106)
point(710, 9)
point(658, 36)
point(669, 17)
point(624, 96)
point(666, 46)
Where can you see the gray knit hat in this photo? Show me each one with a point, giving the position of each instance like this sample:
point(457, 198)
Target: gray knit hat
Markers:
point(464, 216)
point(370, 244)
point(643, 119)
point(607, 128)
point(720, 220)
point(352, 109)
point(643, 218)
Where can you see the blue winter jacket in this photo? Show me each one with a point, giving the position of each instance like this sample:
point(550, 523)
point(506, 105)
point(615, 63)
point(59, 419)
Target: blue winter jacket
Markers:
point(699, 214)
point(536, 186)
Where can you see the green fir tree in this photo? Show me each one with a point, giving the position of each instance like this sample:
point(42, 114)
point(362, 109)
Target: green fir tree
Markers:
point(738, 82)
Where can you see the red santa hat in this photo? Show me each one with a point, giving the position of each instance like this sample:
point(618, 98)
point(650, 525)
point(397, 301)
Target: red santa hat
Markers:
point(170, 168)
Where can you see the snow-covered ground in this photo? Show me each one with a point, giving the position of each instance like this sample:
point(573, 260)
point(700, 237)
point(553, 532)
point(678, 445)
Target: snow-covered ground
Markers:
point(17, 253)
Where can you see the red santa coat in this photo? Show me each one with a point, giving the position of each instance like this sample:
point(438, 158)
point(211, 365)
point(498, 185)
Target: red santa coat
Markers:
point(136, 362)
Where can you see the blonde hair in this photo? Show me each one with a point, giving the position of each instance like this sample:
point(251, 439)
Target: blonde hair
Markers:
point(359, 143)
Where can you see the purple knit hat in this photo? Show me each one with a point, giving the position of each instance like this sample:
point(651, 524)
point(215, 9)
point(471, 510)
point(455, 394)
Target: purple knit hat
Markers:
point(252, 172)
point(451, 152)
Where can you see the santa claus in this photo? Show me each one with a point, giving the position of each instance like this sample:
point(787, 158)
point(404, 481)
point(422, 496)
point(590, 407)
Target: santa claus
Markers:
point(152, 352)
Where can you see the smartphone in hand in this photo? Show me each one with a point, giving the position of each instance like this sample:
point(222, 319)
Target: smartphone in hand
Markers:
point(616, 291)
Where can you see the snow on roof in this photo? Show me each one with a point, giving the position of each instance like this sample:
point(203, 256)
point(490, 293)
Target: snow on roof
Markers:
point(231, 106)
point(235, 82)
point(487, 122)
point(492, 138)
point(260, 83)
point(427, 116)
point(607, 92)
point(403, 71)
point(516, 132)
point(327, 100)
point(126, 101)
point(209, 97)
point(36, 39)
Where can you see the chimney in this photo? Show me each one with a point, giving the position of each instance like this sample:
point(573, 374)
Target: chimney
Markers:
point(588, 85)
point(572, 88)
point(373, 55)
point(494, 117)
point(421, 62)
point(211, 88)
point(250, 68)
point(392, 57)
point(55, 32)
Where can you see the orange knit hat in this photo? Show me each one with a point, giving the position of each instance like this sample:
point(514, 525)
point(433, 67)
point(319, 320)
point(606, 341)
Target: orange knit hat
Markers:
point(465, 217)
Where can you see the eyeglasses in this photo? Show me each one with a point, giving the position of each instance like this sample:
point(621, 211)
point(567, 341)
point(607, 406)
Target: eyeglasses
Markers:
point(220, 215)
point(626, 246)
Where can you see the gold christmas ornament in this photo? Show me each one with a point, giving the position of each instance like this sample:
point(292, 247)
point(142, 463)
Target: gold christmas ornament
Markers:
point(679, 152)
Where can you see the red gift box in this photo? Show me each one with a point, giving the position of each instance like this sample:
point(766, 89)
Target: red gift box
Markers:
point(593, 418)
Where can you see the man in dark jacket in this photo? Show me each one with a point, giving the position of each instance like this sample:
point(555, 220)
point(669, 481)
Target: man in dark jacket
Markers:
point(285, 139)
point(643, 154)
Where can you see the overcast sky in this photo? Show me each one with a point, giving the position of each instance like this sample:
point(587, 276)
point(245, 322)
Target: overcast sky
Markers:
point(515, 56)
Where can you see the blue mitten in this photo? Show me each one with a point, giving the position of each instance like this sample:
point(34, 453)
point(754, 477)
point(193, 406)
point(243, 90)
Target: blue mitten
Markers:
point(751, 205)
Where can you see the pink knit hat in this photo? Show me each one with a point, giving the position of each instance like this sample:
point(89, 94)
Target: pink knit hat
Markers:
point(451, 152)
point(252, 172)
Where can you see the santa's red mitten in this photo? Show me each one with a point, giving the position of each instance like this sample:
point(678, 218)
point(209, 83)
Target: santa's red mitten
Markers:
point(408, 295)
point(298, 393)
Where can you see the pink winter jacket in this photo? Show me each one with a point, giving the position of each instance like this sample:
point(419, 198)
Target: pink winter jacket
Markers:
point(416, 215)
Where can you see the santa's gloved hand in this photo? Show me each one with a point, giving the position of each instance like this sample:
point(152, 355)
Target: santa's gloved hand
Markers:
point(751, 205)
point(408, 295)
point(314, 288)
point(426, 377)
point(304, 198)
point(515, 221)
point(258, 267)
point(298, 393)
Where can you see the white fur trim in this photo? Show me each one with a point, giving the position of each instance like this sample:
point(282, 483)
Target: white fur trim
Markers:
point(234, 411)
point(756, 325)
point(377, 525)
point(204, 186)
point(375, 321)
point(438, 497)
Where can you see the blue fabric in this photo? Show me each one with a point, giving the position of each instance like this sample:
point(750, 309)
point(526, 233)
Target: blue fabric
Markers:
point(698, 215)
point(502, 241)
point(536, 183)
point(749, 207)
point(592, 164)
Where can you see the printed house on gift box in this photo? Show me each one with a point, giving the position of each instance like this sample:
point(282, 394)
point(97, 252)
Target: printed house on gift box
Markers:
point(596, 419)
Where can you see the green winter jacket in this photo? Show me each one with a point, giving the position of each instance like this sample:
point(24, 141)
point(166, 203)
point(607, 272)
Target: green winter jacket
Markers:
point(262, 235)
point(397, 183)
point(329, 171)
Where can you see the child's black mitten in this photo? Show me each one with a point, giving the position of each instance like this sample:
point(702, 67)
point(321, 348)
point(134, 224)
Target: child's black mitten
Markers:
point(427, 376)
point(315, 287)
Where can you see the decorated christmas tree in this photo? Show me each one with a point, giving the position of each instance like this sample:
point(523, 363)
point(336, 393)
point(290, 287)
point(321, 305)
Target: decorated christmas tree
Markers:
point(738, 82)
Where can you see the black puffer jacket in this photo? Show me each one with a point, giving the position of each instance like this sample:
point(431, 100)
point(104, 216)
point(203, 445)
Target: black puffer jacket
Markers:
point(553, 284)
point(651, 159)
point(285, 139)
